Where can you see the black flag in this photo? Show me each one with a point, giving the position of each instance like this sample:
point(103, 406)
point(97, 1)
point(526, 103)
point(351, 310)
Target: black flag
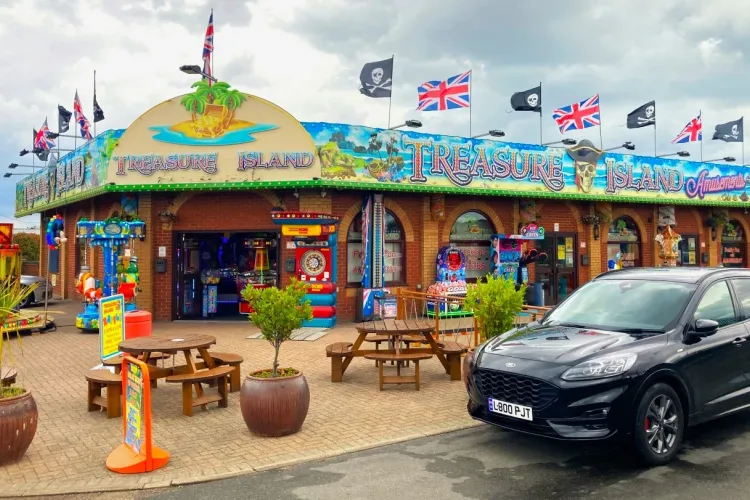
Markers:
point(733, 131)
point(376, 78)
point(98, 113)
point(643, 116)
point(527, 100)
point(63, 119)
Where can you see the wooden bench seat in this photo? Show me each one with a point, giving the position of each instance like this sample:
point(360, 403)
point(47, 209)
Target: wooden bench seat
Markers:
point(337, 352)
point(453, 352)
point(381, 358)
point(8, 377)
point(105, 379)
point(154, 371)
point(233, 360)
point(220, 374)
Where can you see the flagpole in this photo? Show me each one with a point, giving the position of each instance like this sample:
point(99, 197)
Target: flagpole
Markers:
point(601, 138)
point(700, 113)
point(390, 98)
point(470, 106)
point(654, 136)
point(213, 46)
point(541, 140)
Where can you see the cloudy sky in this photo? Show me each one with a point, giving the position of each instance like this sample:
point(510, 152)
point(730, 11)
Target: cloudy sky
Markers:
point(305, 55)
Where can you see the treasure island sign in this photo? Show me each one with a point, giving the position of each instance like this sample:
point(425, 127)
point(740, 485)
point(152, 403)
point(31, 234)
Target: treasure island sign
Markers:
point(214, 135)
point(412, 161)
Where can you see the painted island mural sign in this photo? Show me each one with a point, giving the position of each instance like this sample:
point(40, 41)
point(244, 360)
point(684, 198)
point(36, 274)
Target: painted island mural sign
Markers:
point(214, 134)
point(353, 155)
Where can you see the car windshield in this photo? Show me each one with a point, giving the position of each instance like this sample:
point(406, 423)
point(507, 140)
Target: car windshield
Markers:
point(633, 306)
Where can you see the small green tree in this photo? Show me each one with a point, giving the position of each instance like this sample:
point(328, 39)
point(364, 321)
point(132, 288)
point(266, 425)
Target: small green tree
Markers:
point(29, 244)
point(495, 304)
point(11, 294)
point(278, 312)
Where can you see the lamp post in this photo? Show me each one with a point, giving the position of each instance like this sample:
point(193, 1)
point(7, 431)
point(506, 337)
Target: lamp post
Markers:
point(407, 123)
point(728, 159)
point(681, 154)
point(625, 145)
point(566, 142)
point(7, 175)
point(491, 133)
point(16, 165)
point(194, 69)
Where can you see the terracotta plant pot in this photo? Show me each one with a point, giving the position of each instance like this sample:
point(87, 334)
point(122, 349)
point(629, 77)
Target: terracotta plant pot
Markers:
point(274, 407)
point(18, 420)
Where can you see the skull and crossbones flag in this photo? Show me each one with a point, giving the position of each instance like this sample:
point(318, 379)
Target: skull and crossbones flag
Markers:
point(376, 78)
point(527, 100)
point(733, 131)
point(643, 116)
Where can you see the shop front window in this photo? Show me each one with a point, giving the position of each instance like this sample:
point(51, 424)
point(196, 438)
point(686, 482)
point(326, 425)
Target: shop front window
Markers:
point(733, 245)
point(623, 238)
point(688, 250)
point(471, 234)
point(394, 249)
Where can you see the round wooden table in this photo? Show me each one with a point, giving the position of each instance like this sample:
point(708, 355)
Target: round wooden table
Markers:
point(172, 344)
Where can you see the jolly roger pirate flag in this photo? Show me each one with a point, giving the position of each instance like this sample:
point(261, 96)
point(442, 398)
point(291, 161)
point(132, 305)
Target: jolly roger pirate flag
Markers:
point(733, 131)
point(376, 78)
point(642, 116)
point(527, 100)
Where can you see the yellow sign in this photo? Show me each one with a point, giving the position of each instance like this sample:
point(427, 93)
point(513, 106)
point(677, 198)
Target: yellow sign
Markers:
point(111, 325)
point(301, 230)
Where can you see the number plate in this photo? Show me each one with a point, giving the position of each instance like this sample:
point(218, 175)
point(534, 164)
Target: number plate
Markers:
point(511, 410)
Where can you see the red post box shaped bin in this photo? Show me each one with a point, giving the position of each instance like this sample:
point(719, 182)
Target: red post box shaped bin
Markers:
point(137, 324)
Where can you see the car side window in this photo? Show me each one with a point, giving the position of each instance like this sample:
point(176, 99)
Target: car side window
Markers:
point(716, 304)
point(742, 290)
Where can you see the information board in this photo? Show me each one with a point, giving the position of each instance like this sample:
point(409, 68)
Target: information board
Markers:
point(134, 408)
point(111, 325)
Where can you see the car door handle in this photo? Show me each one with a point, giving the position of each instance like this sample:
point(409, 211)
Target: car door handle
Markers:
point(739, 340)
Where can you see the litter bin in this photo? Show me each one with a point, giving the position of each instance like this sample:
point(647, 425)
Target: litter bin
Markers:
point(538, 294)
point(137, 324)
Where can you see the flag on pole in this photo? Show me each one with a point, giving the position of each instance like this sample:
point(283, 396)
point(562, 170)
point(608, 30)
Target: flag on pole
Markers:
point(693, 132)
point(41, 141)
point(579, 115)
point(208, 47)
point(642, 116)
point(98, 112)
point(376, 78)
point(733, 131)
point(83, 122)
point(63, 119)
point(40, 153)
point(452, 93)
point(527, 100)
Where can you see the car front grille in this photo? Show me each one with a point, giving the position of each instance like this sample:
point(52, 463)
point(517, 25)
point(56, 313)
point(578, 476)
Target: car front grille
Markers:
point(518, 389)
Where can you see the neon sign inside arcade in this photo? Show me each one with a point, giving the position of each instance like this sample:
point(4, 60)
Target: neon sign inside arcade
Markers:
point(463, 163)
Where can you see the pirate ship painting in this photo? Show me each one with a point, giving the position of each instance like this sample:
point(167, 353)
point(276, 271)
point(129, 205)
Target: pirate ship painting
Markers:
point(212, 122)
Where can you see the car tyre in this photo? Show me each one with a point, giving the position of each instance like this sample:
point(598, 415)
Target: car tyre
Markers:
point(659, 425)
point(26, 302)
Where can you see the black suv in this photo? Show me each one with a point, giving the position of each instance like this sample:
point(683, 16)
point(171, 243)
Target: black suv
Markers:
point(640, 353)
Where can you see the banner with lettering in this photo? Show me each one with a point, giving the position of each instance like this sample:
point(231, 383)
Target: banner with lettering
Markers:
point(77, 172)
point(410, 161)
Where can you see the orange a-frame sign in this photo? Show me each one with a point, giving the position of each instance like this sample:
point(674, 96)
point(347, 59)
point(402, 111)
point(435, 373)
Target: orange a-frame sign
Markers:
point(137, 453)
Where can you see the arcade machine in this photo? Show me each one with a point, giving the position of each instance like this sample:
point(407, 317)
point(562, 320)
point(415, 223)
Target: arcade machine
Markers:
point(508, 256)
point(262, 276)
point(451, 282)
point(314, 237)
point(10, 269)
point(111, 236)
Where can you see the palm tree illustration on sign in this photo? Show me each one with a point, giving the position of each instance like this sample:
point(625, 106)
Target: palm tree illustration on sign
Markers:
point(212, 118)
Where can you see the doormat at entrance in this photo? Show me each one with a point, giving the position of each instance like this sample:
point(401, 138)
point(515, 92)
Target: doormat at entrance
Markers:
point(308, 334)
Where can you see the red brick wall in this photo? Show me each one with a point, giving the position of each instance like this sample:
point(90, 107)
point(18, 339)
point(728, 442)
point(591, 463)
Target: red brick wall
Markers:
point(30, 268)
point(643, 216)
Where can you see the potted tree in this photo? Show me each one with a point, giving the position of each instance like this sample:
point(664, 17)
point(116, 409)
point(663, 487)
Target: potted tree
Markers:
point(496, 303)
point(274, 401)
point(18, 413)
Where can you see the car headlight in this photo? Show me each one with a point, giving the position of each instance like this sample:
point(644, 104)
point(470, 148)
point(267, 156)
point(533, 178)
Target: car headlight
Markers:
point(603, 367)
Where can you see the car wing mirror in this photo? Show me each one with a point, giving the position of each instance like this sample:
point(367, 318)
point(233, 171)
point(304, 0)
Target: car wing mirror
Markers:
point(704, 327)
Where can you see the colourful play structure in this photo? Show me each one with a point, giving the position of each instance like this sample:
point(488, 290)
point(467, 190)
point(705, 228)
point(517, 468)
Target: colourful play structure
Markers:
point(10, 268)
point(115, 237)
point(314, 236)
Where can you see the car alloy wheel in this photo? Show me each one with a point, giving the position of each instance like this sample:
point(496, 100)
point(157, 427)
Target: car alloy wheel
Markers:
point(659, 425)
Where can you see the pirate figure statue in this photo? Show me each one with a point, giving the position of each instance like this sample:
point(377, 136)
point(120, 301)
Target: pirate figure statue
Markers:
point(585, 158)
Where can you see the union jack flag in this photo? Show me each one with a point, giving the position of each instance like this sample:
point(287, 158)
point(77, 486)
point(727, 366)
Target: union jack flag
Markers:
point(453, 93)
point(83, 122)
point(208, 45)
point(41, 141)
point(693, 131)
point(578, 115)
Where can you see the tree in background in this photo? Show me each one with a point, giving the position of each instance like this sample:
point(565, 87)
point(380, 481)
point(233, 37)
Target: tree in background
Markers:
point(29, 243)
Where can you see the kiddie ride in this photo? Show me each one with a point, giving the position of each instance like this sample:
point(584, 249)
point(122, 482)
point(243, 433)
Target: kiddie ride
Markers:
point(509, 258)
point(314, 237)
point(451, 282)
point(10, 269)
point(120, 271)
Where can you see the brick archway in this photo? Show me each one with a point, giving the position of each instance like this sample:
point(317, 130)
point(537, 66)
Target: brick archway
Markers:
point(470, 206)
point(402, 217)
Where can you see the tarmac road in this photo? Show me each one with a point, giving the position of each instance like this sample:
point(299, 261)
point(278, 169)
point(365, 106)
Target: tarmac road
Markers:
point(487, 463)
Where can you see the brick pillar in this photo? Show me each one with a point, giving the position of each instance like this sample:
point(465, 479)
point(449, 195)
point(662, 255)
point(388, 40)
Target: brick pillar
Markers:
point(430, 243)
point(594, 246)
point(312, 201)
point(144, 250)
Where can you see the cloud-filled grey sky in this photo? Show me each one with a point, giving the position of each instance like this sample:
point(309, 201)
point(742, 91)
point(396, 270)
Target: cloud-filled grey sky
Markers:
point(305, 55)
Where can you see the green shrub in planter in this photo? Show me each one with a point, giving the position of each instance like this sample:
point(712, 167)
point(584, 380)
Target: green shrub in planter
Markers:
point(495, 304)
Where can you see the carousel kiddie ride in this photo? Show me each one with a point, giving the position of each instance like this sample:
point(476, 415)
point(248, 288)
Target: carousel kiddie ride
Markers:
point(10, 269)
point(314, 237)
point(451, 282)
point(120, 272)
